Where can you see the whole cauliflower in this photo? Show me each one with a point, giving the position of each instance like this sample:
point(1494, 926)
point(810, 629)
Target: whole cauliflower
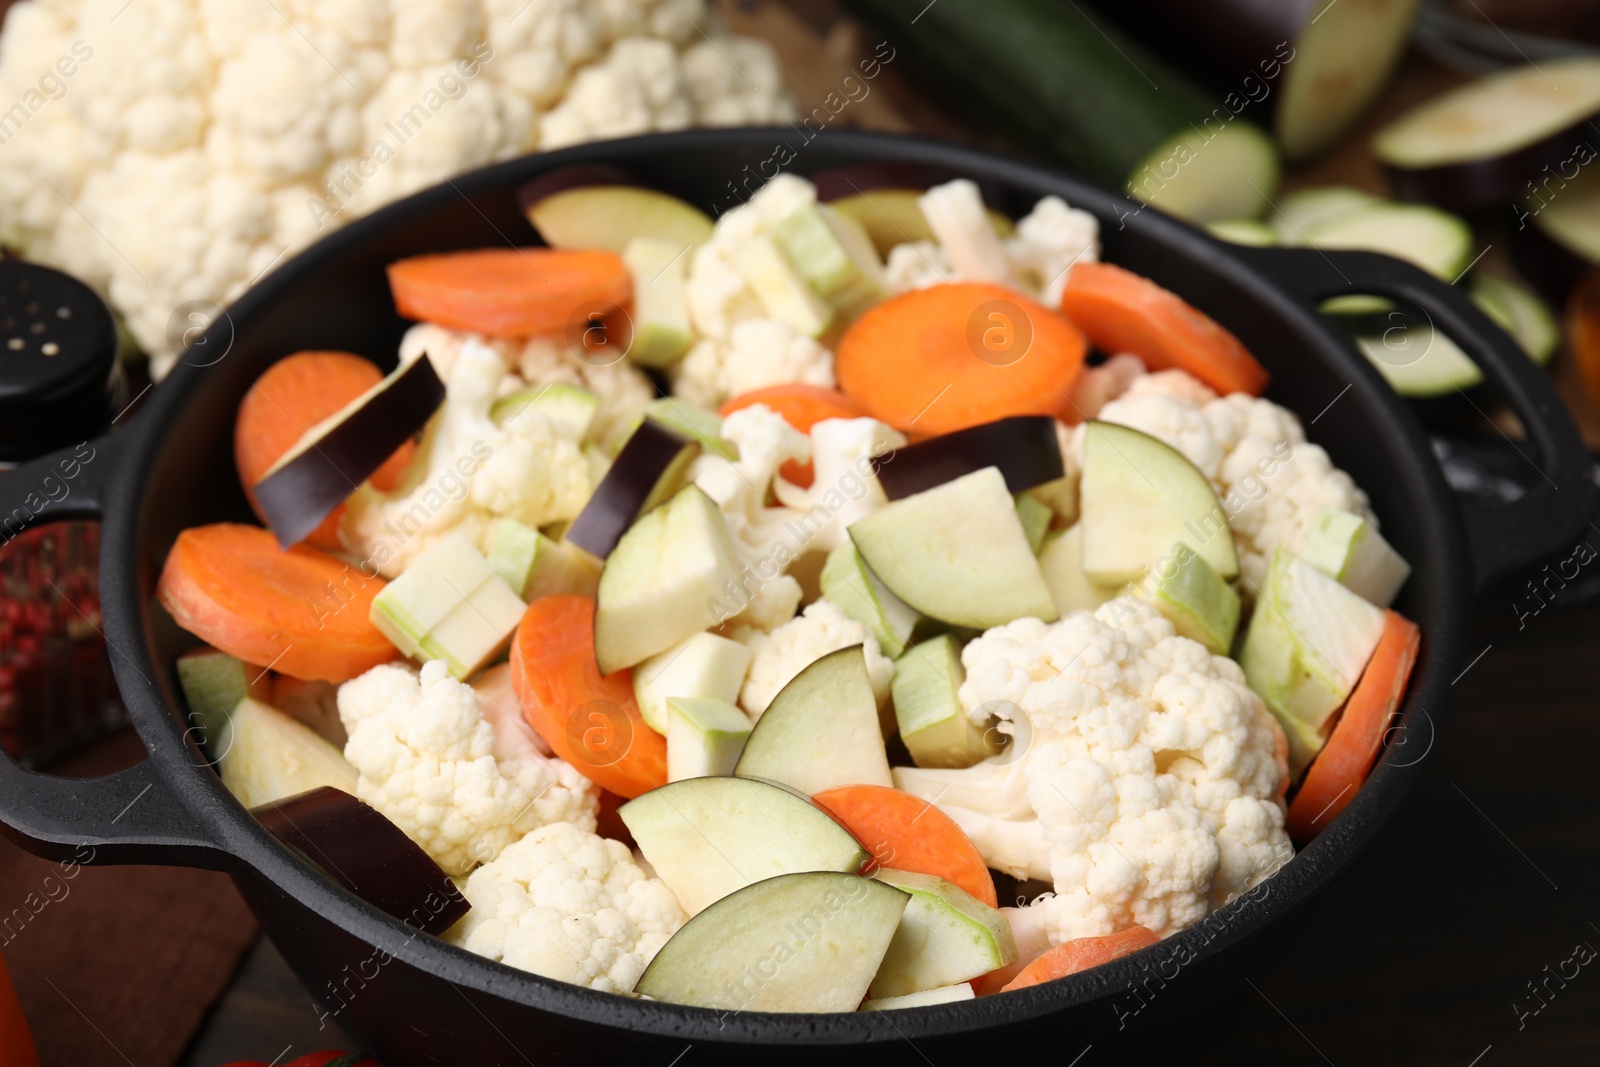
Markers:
point(1270, 479)
point(822, 628)
point(1153, 773)
point(427, 760)
point(197, 143)
point(570, 905)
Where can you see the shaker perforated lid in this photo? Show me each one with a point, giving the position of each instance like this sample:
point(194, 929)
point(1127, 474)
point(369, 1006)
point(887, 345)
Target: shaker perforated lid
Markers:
point(60, 380)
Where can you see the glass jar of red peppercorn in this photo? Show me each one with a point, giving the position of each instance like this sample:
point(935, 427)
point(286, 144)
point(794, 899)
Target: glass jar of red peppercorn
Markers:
point(61, 386)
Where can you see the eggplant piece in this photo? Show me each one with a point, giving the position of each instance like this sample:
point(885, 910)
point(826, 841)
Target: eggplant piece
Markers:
point(1024, 447)
point(1307, 69)
point(1497, 139)
point(653, 464)
point(600, 206)
point(368, 855)
point(578, 176)
point(340, 452)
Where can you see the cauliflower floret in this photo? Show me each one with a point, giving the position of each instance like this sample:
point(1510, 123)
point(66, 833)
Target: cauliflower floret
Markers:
point(735, 84)
point(779, 656)
point(917, 265)
point(1050, 239)
point(567, 904)
point(1270, 479)
point(624, 390)
point(1153, 771)
point(427, 760)
point(845, 455)
point(757, 353)
point(636, 88)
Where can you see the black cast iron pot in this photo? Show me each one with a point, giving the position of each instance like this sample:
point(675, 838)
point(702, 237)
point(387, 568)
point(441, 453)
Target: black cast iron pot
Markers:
point(415, 1000)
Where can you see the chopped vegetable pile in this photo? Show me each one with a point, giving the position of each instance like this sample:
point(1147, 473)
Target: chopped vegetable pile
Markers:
point(894, 586)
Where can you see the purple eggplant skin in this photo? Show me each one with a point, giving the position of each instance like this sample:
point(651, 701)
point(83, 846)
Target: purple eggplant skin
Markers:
point(1023, 447)
point(648, 454)
point(368, 855)
point(297, 496)
point(574, 177)
point(1484, 183)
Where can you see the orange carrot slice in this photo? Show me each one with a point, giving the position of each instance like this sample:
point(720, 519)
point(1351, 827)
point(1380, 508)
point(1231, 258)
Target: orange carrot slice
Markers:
point(291, 397)
point(301, 612)
point(1080, 954)
point(1124, 312)
point(951, 356)
point(907, 833)
point(510, 292)
point(802, 406)
point(1352, 748)
point(588, 720)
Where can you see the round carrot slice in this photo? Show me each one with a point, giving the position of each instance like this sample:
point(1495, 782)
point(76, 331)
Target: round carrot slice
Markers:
point(906, 833)
point(291, 397)
point(951, 356)
point(802, 406)
point(1080, 954)
point(301, 612)
point(511, 292)
point(587, 719)
point(1124, 312)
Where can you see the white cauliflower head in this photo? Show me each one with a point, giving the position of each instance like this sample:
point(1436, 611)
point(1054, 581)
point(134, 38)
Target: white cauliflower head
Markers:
point(195, 144)
point(570, 905)
point(822, 628)
point(1050, 239)
point(1152, 770)
point(427, 761)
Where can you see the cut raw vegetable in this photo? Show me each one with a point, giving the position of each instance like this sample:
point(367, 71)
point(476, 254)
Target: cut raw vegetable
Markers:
point(955, 214)
point(1081, 954)
point(661, 584)
point(820, 935)
point(833, 254)
point(708, 837)
point(704, 666)
point(1139, 497)
point(509, 292)
point(534, 566)
point(955, 355)
point(290, 398)
point(892, 216)
point(450, 605)
point(1351, 549)
point(661, 328)
point(569, 408)
point(1307, 209)
point(1346, 760)
point(910, 834)
point(652, 466)
point(1120, 311)
point(300, 611)
point(312, 478)
point(780, 288)
point(957, 553)
point(1023, 447)
point(1567, 212)
point(821, 730)
point(1307, 644)
point(1419, 361)
point(369, 855)
point(314, 703)
point(945, 936)
point(1061, 563)
point(802, 406)
point(588, 720)
point(1190, 593)
point(213, 684)
point(949, 994)
point(1243, 232)
point(933, 725)
point(689, 421)
point(264, 755)
point(1479, 145)
point(1437, 241)
point(609, 216)
point(850, 583)
point(1035, 517)
point(1520, 312)
point(704, 737)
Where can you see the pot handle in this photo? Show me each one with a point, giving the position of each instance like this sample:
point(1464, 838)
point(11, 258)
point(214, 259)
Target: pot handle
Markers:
point(1504, 539)
point(131, 816)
